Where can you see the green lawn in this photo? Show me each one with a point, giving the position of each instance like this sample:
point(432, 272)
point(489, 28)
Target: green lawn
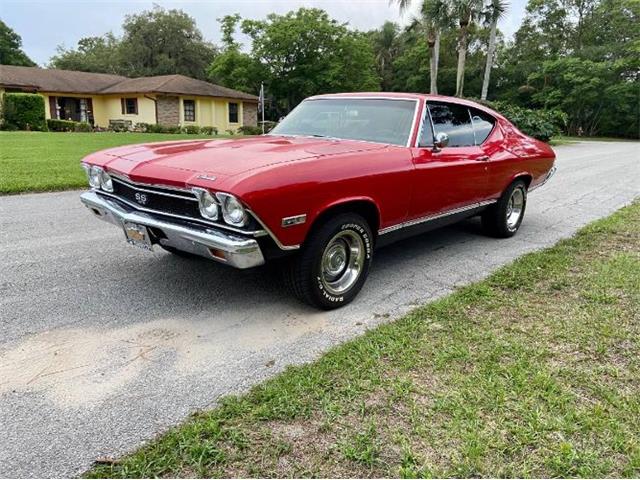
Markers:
point(534, 372)
point(566, 140)
point(42, 161)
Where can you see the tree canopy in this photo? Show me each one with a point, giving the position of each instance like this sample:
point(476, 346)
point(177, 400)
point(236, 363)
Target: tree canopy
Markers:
point(11, 48)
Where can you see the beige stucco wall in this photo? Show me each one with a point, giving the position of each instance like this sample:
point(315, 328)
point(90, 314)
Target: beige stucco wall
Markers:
point(210, 111)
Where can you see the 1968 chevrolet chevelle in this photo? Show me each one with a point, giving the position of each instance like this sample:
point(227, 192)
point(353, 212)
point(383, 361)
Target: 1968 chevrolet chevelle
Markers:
point(338, 176)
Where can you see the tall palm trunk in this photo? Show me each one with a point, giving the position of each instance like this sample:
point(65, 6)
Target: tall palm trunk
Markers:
point(490, 53)
point(433, 41)
point(462, 57)
point(435, 59)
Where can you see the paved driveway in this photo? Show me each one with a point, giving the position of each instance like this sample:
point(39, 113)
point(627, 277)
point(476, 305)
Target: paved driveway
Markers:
point(102, 345)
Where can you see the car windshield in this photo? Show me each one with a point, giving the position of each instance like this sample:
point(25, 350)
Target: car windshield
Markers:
point(374, 120)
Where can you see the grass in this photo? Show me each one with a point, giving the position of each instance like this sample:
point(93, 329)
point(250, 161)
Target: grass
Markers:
point(46, 161)
point(568, 140)
point(534, 372)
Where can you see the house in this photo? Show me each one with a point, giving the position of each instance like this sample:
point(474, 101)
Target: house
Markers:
point(98, 98)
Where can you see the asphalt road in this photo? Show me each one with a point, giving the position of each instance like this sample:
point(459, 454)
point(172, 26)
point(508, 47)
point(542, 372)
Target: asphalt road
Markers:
point(103, 346)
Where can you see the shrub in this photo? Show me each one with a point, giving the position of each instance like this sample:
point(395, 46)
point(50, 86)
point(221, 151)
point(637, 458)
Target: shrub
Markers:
point(82, 127)
point(209, 130)
point(250, 130)
point(269, 125)
point(230, 132)
point(540, 124)
point(56, 125)
point(192, 129)
point(143, 127)
point(24, 111)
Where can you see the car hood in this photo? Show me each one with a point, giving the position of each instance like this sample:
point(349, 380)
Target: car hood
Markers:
point(184, 162)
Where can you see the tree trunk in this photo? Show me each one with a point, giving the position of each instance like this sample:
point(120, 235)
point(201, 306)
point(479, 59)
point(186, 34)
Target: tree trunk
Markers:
point(435, 59)
point(462, 58)
point(490, 53)
point(431, 43)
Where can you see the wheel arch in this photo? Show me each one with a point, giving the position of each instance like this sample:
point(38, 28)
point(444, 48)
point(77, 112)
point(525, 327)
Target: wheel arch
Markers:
point(364, 206)
point(526, 177)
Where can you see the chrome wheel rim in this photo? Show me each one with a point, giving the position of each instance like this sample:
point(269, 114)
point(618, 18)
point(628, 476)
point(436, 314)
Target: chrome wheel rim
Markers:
point(342, 262)
point(515, 207)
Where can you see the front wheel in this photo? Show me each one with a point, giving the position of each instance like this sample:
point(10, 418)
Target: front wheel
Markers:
point(503, 219)
point(334, 263)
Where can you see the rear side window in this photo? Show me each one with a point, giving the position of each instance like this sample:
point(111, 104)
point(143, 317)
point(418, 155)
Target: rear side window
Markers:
point(482, 124)
point(455, 121)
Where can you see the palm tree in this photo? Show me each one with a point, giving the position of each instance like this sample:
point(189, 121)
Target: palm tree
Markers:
point(495, 11)
point(466, 11)
point(385, 43)
point(434, 18)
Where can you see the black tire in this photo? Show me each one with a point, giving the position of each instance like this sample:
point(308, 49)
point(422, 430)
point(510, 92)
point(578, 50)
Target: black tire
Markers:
point(497, 220)
point(305, 276)
point(179, 253)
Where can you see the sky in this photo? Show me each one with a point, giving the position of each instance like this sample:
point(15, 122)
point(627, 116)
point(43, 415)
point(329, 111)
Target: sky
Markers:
point(45, 24)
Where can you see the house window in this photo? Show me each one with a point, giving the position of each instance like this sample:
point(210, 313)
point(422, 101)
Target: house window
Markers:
point(189, 110)
point(129, 106)
point(233, 112)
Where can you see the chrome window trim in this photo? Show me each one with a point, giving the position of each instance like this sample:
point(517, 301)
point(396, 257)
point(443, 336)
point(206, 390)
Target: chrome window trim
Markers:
point(428, 218)
point(370, 97)
point(156, 192)
point(254, 233)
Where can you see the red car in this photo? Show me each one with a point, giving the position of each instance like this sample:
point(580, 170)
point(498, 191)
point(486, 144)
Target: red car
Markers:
point(340, 175)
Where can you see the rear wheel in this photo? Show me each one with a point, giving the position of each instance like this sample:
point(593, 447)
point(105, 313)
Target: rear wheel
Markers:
point(503, 219)
point(334, 262)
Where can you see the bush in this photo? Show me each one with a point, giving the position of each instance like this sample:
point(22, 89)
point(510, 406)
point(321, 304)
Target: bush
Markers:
point(209, 130)
point(24, 111)
point(192, 129)
point(56, 125)
point(250, 130)
point(142, 127)
point(269, 125)
point(82, 127)
point(540, 124)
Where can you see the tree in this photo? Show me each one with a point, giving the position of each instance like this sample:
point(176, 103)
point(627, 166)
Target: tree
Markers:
point(385, 47)
point(467, 12)
point(11, 48)
point(496, 10)
point(155, 42)
point(434, 18)
point(93, 54)
point(305, 53)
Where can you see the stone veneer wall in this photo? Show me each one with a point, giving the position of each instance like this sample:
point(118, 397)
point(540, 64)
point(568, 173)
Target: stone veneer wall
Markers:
point(168, 110)
point(250, 114)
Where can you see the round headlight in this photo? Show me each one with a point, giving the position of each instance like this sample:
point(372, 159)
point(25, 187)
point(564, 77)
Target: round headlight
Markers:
point(208, 205)
point(95, 175)
point(105, 182)
point(232, 210)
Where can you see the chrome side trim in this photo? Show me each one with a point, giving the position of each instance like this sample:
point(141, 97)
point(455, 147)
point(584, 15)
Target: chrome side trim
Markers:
point(549, 175)
point(155, 192)
point(436, 216)
point(294, 220)
point(255, 233)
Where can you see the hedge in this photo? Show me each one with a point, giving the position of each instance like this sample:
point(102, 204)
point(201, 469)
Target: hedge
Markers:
point(540, 124)
point(24, 111)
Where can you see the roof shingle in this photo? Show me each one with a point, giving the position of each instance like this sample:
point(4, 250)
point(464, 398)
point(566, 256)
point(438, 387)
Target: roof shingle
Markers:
point(68, 81)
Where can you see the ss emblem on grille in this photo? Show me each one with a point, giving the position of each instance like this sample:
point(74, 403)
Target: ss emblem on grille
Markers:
point(141, 198)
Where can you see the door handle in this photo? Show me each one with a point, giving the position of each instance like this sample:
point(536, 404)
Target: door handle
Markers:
point(483, 158)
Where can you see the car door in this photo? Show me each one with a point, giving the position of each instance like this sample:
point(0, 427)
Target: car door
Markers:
point(451, 177)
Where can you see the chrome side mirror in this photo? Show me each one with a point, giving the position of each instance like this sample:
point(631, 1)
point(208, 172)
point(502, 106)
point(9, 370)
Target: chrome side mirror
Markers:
point(441, 140)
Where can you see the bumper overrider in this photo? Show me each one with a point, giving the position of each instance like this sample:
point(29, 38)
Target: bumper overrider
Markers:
point(210, 242)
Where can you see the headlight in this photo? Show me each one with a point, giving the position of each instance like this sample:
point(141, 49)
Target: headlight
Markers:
point(232, 210)
point(95, 174)
point(207, 203)
point(105, 182)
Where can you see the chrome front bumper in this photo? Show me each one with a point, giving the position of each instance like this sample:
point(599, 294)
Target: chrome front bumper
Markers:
point(212, 243)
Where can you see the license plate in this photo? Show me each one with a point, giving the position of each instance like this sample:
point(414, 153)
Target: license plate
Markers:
point(138, 235)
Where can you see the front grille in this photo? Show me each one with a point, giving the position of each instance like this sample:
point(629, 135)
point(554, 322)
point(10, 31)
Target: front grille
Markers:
point(175, 202)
